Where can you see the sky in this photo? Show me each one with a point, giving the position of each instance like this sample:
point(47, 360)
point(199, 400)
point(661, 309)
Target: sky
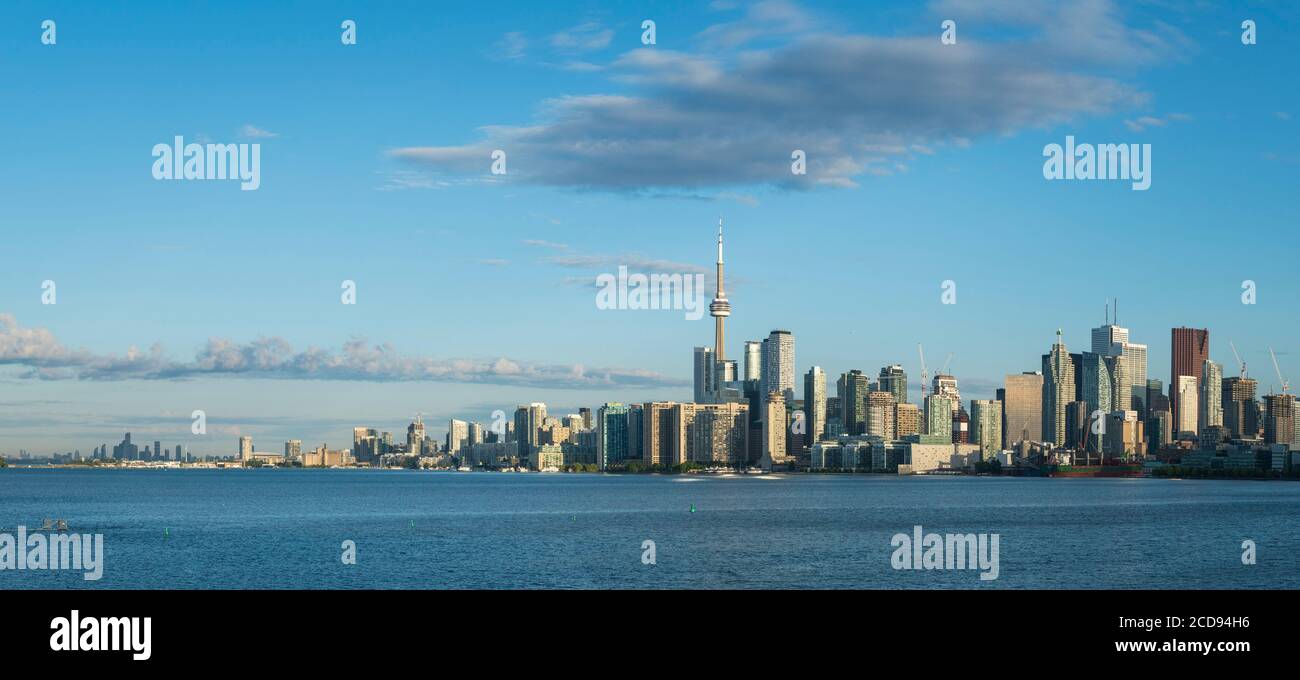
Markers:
point(475, 292)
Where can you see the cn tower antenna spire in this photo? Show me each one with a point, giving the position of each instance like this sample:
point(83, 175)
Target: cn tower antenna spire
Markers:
point(720, 309)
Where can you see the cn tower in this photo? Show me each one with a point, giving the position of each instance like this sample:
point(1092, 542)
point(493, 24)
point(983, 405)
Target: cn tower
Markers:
point(719, 309)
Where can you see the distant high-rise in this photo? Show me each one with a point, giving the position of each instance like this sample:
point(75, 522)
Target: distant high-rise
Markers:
point(853, 388)
point(778, 365)
point(705, 365)
point(292, 450)
point(908, 419)
point(774, 430)
point(1279, 419)
point(245, 447)
point(415, 437)
point(945, 385)
point(753, 360)
point(938, 417)
point(457, 437)
point(881, 415)
point(612, 438)
point(1058, 391)
point(986, 426)
point(814, 403)
point(1189, 350)
point(893, 379)
point(1210, 404)
point(1097, 383)
point(1240, 413)
point(1022, 409)
point(1186, 398)
point(528, 420)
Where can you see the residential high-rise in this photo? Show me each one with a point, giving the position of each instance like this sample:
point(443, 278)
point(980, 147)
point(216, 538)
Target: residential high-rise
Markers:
point(814, 403)
point(774, 429)
point(753, 360)
point(292, 450)
point(1022, 409)
point(457, 437)
point(1210, 403)
point(1058, 391)
point(938, 417)
point(778, 365)
point(893, 379)
point(945, 385)
point(1189, 350)
point(658, 433)
point(245, 448)
point(705, 365)
point(908, 419)
point(528, 420)
point(612, 438)
point(986, 426)
point(1097, 383)
point(881, 415)
point(853, 388)
point(1187, 395)
point(713, 434)
point(415, 437)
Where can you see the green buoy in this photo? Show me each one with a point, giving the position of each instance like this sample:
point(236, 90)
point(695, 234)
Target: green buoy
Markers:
point(692, 507)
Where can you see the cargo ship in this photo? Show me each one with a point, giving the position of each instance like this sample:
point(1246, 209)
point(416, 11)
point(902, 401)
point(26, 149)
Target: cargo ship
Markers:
point(1092, 470)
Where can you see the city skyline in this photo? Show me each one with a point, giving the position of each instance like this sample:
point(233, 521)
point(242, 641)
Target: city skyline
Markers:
point(490, 280)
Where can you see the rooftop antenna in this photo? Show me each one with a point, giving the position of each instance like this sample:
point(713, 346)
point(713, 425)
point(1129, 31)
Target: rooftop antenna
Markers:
point(1116, 311)
point(1108, 312)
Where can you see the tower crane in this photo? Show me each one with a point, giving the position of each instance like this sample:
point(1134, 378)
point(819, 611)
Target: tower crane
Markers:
point(1241, 365)
point(1286, 386)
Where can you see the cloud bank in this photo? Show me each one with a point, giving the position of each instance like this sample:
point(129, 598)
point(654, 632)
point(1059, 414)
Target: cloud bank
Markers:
point(44, 357)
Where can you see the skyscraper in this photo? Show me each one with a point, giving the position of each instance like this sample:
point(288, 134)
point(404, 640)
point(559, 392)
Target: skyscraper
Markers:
point(1210, 405)
point(457, 437)
point(705, 366)
point(527, 421)
point(853, 389)
point(1240, 413)
point(1189, 349)
point(753, 360)
point(881, 415)
point(986, 426)
point(814, 403)
point(774, 424)
point(1187, 395)
point(415, 437)
point(893, 379)
point(1279, 419)
point(1022, 410)
point(1058, 390)
point(612, 436)
point(778, 365)
point(245, 447)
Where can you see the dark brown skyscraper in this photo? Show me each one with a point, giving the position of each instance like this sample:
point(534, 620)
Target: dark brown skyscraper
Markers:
point(1189, 349)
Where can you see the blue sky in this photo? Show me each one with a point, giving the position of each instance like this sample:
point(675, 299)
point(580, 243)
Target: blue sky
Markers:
point(924, 166)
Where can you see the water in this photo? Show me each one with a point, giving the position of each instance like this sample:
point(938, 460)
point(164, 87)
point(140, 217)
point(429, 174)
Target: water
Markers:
point(285, 529)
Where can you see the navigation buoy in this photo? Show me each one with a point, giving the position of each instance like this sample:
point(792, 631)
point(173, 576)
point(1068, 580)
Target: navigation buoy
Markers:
point(692, 507)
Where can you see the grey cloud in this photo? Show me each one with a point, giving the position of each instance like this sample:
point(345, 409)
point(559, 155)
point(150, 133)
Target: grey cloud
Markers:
point(856, 105)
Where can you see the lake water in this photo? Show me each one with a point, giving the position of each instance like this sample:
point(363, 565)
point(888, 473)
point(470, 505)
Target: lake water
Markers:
point(285, 529)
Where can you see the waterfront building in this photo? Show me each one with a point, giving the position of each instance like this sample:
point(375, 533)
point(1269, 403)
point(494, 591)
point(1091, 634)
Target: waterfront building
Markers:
point(986, 426)
point(1022, 408)
point(1058, 391)
point(814, 402)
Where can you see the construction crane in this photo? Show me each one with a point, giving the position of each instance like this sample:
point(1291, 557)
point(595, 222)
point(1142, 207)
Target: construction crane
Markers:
point(925, 375)
point(1241, 365)
point(1286, 386)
